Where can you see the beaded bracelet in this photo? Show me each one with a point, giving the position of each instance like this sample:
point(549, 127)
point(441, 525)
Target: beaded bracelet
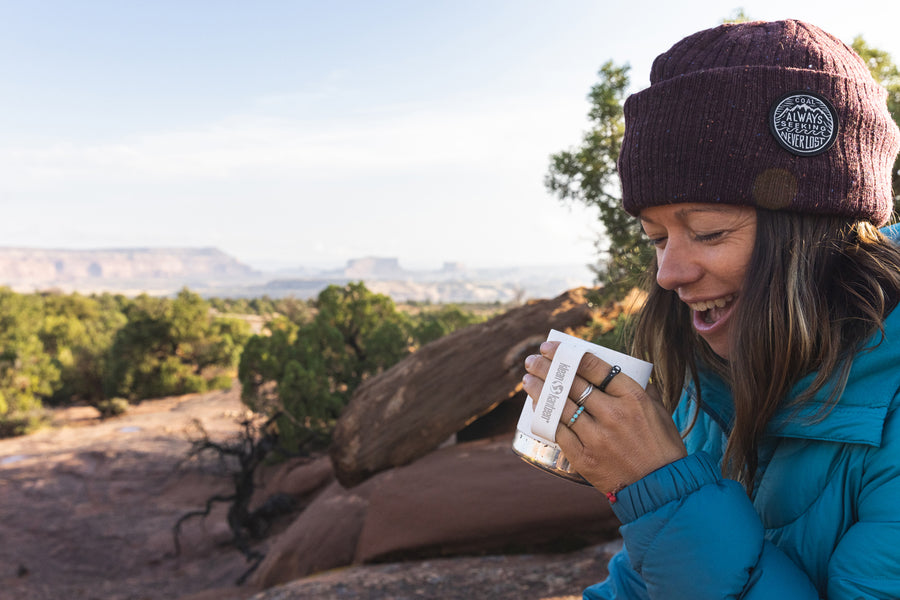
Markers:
point(611, 496)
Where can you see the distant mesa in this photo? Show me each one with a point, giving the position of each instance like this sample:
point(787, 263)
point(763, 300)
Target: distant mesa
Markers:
point(363, 268)
point(385, 269)
point(211, 272)
point(42, 268)
point(451, 268)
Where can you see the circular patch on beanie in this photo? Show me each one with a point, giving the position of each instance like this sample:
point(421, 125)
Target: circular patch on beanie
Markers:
point(804, 123)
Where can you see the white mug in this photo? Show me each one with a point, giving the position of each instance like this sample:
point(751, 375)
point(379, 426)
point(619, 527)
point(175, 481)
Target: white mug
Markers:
point(535, 440)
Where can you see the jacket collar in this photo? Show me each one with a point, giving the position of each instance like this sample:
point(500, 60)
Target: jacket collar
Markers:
point(892, 232)
point(859, 414)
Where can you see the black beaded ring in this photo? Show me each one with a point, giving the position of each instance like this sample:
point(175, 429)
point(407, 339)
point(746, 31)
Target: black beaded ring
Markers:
point(616, 369)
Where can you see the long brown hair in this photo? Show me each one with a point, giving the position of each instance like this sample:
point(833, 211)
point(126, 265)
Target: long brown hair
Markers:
point(817, 288)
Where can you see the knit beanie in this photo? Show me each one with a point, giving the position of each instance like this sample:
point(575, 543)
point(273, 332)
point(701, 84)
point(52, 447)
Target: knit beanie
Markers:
point(778, 115)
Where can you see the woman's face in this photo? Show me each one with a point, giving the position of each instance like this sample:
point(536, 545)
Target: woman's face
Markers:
point(702, 251)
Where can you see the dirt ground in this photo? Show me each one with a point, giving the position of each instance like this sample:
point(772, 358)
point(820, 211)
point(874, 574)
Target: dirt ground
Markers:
point(87, 509)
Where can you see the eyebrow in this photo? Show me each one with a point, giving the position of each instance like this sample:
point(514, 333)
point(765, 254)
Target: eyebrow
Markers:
point(682, 213)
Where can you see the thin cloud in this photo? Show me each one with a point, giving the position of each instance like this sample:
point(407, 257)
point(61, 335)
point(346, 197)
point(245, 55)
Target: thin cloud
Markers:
point(502, 134)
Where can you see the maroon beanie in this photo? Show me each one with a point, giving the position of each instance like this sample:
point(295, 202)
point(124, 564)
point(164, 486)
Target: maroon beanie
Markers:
point(778, 115)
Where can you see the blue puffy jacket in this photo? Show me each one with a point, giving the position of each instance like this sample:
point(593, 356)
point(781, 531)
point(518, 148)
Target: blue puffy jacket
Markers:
point(824, 520)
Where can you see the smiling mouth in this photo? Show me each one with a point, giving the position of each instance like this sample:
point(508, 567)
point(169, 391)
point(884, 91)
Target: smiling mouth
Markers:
point(710, 311)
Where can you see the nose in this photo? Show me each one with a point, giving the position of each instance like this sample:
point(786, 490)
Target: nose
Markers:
point(677, 265)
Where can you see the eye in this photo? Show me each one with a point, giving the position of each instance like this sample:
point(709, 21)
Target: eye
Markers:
point(655, 240)
point(708, 237)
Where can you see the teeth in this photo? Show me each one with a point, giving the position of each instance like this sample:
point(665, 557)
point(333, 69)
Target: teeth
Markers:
point(708, 304)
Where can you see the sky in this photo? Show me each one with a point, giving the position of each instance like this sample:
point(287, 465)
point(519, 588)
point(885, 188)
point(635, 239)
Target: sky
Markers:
point(301, 133)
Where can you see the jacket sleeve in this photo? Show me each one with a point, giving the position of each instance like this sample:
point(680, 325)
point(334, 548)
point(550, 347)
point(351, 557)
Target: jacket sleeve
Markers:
point(622, 582)
point(690, 534)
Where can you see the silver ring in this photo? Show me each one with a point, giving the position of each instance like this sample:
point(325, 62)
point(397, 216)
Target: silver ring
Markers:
point(587, 392)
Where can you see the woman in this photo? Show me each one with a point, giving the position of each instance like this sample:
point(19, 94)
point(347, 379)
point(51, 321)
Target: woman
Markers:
point(764, 459)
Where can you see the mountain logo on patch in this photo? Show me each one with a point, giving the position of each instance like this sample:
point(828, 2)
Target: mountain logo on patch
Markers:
point(804, 123)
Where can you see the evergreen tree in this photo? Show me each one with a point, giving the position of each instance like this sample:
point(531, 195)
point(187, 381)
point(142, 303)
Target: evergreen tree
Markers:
point(587, 175)
point(307, 372)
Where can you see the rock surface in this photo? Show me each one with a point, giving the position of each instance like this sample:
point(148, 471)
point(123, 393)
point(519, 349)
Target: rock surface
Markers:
point(519, 577)
point(471, 498)
point(87, 510)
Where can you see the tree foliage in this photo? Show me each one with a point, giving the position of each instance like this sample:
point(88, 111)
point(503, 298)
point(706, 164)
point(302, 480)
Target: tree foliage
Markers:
point(886, 73)
point(308, 371)
point(76, 334)
point(170, 347)
point(26, 373)
point(289, 306)
point(587, 175)
point(58, 349)
point(738, 16)
point(432, 325)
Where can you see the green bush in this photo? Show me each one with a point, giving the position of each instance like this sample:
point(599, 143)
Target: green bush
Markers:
point(434, 324)
point(167, 347)
point(60, 349)
point(112, 407)
point(307, 372)
point(27, 373)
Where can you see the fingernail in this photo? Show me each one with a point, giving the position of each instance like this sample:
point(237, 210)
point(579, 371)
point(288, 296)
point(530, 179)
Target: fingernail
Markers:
point(529, 360)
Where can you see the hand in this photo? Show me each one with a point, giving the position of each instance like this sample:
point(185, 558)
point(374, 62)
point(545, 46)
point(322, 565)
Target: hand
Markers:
point(622, 435)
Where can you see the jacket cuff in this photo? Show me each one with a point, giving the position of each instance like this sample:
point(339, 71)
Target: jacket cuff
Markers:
point(664, 485)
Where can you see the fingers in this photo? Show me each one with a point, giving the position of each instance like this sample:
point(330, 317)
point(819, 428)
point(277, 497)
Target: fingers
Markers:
point(591, 370)
point(566, 434)
point(594, 383)
point(538, 367)
point(573, 415)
